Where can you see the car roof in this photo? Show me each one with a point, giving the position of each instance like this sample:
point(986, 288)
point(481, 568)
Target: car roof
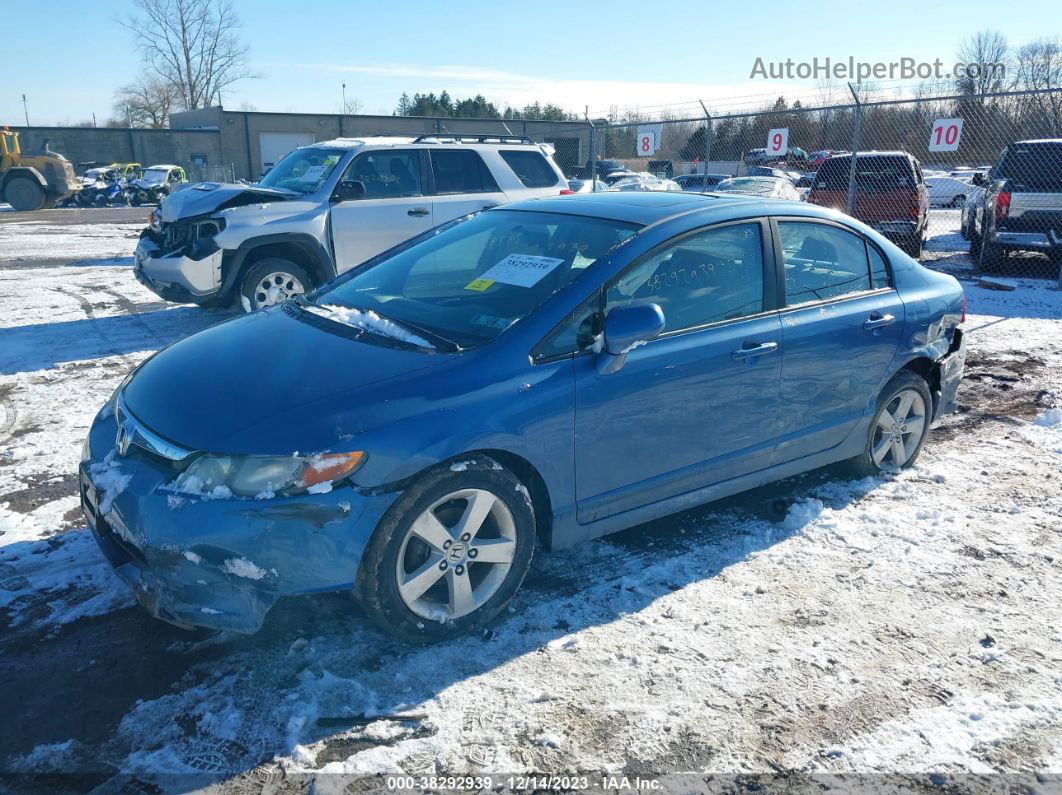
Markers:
point(160, 165)
point(650, 207)
point(428, 140)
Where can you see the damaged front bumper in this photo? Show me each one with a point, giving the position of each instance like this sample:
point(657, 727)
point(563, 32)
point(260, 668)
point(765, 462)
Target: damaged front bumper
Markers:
point(184, 275)
point(195, 561)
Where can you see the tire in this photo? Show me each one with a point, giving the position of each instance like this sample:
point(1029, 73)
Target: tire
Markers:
point(49, 203)
point(875, 458)
point(396, 552)
point(135, 199)
point(24, 194)
point(288, 280)
point(958, 201)
point(991, 256)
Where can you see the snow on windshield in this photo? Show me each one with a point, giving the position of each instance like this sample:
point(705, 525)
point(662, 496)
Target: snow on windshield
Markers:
point(369, 321)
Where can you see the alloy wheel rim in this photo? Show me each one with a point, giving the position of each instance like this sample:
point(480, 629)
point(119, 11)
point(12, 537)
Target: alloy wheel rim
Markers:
point(456, 555)
point(898, 430)
point(276, 288)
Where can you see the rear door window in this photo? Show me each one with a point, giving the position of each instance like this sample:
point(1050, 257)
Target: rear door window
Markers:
point(461, 171)
point(387, 173)
point(530, 167)
point(823, 262)
point(1034, 167)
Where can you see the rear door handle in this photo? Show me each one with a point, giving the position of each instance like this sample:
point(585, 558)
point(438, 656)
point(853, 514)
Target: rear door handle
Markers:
point(877, 320)
point(752, 349)
point(418, 211)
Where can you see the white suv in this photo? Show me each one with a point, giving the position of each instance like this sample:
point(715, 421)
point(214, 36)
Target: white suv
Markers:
point(328, 207)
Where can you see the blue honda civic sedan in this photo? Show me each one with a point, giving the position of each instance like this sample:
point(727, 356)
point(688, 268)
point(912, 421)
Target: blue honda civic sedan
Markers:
point(541, 373)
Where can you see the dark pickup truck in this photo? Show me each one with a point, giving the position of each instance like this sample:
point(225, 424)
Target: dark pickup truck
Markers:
point(1020, 208)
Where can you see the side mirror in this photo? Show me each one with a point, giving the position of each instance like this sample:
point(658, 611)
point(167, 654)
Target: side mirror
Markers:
point(625, 328)
point(978, 179)
point(348, 190)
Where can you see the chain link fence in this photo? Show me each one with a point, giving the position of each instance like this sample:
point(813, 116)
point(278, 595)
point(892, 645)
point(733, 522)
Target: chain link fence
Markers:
point(966, 184)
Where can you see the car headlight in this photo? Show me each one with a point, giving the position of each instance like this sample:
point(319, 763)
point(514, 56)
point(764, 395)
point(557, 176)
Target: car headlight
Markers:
point(266, 476)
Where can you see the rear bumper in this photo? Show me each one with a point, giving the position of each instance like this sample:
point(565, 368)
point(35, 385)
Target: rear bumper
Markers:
point(1042, 241)
point(951, 371)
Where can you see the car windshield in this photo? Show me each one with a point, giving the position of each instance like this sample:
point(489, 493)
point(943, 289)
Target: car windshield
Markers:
point(155, 175)
point(303, 170)
point(467, 284)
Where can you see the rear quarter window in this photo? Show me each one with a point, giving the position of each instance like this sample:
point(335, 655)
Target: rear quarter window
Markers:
point(531, 168)
point(461, 171)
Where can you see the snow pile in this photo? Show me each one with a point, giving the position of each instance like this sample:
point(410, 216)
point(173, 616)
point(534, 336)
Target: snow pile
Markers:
point(241, 567)
point(368, 321)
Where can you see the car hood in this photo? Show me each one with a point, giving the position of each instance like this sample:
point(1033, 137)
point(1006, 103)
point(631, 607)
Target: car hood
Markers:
point(206, 197)
point(218, 390)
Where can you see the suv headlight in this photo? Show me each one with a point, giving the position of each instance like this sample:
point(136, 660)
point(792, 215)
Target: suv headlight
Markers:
point(266, 476)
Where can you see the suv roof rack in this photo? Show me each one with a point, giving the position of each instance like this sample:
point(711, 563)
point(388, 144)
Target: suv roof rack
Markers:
point(479, 139)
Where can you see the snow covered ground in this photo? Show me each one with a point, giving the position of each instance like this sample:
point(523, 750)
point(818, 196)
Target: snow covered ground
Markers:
point(820, 629)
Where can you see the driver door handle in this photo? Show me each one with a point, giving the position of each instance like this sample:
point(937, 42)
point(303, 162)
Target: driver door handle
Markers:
point(752, 349)
point(418, 211)
point(877, 320)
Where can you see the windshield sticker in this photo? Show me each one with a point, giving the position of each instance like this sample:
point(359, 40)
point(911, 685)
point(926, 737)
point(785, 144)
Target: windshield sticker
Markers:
point(479, 285)
point(312, 174)
point(521, 270)
point(491, 321)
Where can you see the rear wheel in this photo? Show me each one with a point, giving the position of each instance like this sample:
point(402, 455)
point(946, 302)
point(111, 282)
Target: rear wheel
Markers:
point(991, 256)
point(24, 194)
point(899, 427)
point(450, 553)
point(272, 281)
point(959, 200)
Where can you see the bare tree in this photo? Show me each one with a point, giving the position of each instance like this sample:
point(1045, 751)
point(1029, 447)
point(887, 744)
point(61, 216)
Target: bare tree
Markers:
point(981, 53)
point(146, 103)
point(1038, 66)
point(192, 45)
point(352, 107)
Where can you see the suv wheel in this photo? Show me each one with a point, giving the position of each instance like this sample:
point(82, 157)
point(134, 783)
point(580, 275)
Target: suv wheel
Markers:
point(899, 427)
point(990, 256)
point(272, 281)
point(450, 553)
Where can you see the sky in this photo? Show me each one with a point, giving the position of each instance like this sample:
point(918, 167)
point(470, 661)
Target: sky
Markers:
point(580, 55)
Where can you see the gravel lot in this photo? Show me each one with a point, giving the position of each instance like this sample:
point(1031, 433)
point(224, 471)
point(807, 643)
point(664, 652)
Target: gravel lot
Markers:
point(905, 629)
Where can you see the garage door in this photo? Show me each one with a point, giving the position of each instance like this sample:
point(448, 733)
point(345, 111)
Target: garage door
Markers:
point(274, 146)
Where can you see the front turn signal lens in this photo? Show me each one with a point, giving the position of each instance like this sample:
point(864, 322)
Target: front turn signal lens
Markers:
point(327, 467)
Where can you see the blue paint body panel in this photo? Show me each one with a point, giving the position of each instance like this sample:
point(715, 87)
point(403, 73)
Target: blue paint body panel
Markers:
point(682, 421)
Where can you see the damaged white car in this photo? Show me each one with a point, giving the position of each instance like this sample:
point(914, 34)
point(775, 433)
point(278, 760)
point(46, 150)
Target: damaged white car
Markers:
point(326, 208)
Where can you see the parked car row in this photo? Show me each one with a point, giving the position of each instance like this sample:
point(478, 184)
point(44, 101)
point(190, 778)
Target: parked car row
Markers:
point(102, 187)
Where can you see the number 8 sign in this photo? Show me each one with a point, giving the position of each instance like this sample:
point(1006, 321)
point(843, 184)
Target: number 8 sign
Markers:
point(945, 135)
point(778, 141)
point(648, 139)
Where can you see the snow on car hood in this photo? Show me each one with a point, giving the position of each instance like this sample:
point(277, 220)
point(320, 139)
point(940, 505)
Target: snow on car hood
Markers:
point(206, 197)
point(223, 389)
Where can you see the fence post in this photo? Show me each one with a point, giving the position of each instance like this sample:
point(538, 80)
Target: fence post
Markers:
point(707, 142)
point(855, 152)
point(593, 152)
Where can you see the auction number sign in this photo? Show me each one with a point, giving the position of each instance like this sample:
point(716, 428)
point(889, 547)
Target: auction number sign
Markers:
point(945, 135)
point(648, 140)
point(778, 141)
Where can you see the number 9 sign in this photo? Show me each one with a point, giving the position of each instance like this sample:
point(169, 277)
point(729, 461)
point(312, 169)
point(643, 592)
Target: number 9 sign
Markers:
point(778, 141)
point(945, 135)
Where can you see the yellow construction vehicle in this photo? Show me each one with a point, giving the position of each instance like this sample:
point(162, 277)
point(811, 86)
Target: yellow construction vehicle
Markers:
point(30, 181)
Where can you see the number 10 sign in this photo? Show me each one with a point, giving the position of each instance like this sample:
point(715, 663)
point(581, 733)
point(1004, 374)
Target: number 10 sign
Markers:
point(945, 135)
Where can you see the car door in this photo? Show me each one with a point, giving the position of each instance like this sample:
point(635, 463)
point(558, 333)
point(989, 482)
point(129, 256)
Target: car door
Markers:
point(841, 326)
point(461, 184)
point(697, 405)
point(393, 209)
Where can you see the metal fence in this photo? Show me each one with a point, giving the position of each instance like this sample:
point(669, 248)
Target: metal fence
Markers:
point(929, 172)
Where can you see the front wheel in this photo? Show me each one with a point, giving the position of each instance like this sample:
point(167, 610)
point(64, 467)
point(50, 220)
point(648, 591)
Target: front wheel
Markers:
point(24, 194)
point(450, 553)
point(272, 281)
point(899, 427)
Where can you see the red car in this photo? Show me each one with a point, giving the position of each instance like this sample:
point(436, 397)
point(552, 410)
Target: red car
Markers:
point(890, 194)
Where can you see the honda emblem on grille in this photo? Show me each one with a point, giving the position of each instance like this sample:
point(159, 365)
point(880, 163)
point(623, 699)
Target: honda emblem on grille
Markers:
point(122, 441)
